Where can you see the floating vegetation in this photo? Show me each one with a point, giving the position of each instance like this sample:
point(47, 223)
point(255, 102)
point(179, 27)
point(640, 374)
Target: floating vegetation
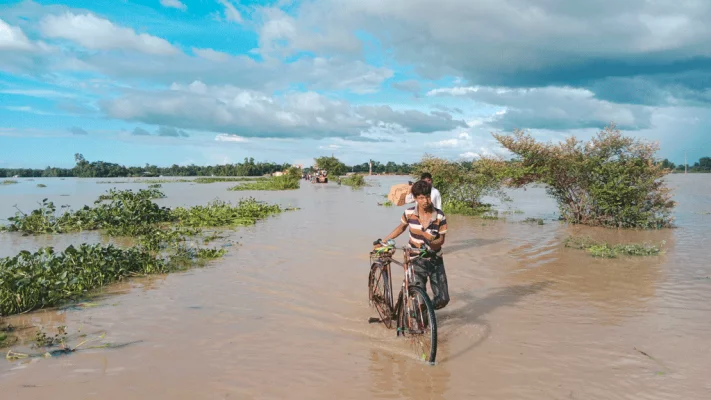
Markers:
point(283, 182)
point(386, 204)
point(219, 213)
point(155, 186)
point(41, 185)
point(213, 179)
point(531, 220)
point(605, 250)
point(163, 243)
point(8, 182)
point(355, 181)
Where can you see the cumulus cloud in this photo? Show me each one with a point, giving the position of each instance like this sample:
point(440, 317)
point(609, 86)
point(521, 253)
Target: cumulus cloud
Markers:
point(173, 4)
point(252, 113)
point(556, 108)
point(511, 42)
point(12, 38)
point(97, 33)
point(78, 131)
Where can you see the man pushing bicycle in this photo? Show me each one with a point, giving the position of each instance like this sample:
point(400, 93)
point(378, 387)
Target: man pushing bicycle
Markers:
point(428, 227)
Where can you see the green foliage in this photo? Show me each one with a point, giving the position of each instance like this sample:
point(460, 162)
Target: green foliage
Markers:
point(333, 166)
point(155, 186)
point(611, 181)
point(214, 179)
point(218, 213)
point(283, 182)
point(355, 181)
point(8, 182)
point(129, 213)
point(462, 185)
point(605, 250)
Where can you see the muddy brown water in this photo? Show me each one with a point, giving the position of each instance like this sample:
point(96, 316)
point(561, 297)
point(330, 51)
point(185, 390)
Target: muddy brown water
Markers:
point(284, 314)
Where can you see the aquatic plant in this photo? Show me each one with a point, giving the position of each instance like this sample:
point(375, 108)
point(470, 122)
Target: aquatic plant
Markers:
point(8, 182)
point(155, 186)
point(41, 185)
point(355, 181)
point(606, 250)
point(219, 213)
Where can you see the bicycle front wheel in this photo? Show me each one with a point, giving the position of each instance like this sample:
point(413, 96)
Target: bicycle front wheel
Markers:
point(418, 324)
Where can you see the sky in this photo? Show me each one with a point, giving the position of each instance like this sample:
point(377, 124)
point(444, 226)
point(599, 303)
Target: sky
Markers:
point(214, 81)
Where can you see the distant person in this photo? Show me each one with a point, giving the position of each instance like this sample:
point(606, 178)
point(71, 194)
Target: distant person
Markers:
point(436, 197)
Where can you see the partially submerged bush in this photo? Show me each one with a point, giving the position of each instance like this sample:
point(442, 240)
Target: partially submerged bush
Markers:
point(605, 250)
point(355, 181)
point(464, 184)
point(611, 181)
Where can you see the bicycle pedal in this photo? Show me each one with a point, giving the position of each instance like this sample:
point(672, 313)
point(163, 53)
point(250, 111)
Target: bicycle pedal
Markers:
point(373, 320)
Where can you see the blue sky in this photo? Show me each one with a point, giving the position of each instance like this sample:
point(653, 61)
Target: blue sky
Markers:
point(214, 81)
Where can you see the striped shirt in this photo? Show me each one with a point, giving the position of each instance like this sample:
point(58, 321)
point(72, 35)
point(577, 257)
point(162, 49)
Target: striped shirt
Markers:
point(411, 217)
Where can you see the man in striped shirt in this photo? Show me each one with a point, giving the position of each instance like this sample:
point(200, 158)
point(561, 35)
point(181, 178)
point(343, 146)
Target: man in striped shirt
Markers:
point(427, 225)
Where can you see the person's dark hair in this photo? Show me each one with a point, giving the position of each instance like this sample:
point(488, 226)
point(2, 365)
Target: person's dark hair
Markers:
point(425, 175)
point(421, 188)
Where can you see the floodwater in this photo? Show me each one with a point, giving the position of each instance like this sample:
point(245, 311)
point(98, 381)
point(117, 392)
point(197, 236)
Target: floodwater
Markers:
point(284, 314)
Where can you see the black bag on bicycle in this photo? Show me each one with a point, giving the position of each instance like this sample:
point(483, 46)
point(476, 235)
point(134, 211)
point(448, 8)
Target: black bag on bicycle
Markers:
point(438, 282)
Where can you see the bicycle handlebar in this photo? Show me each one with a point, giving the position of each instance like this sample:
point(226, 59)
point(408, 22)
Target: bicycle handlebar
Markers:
point(391, 243)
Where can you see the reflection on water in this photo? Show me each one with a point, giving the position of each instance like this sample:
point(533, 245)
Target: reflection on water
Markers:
point(284, 314)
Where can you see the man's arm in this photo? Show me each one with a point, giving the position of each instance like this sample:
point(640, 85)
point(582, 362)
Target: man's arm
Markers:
point(396, 232)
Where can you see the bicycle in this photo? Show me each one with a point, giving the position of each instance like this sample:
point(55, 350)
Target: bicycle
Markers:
point(414, 314)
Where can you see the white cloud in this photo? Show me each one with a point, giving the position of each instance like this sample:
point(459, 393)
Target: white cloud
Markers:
point(12, 38)
point(464, 136)
point(173, 4)
point(447, 143)
point(212, 55)
point(224, 137)
point(229, 108)
point(469, 155)
point(41, 93)
point(552, 108)
point(231, 13)
point(97, 33)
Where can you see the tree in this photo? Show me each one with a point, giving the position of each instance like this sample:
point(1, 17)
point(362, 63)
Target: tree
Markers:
point(612, 180)
point(463, 185)
point(332, 165)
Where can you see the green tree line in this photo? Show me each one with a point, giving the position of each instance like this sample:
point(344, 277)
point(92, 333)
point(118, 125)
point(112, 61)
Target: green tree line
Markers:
point(703, 165)
point(102, 169)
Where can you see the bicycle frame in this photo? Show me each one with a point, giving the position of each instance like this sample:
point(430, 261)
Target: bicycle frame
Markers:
point(387, 258)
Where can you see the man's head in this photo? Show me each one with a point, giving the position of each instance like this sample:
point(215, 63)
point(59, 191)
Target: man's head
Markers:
point(427, 177)
point(421, 191)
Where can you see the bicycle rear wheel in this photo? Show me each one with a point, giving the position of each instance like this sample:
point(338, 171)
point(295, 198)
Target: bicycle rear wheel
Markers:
point(417, 323)
point(380, 293)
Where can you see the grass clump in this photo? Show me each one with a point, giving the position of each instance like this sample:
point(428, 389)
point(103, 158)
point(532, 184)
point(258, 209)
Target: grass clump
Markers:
point(606, 250)
point(531, 220)
point(8, 182)
point(41, 185)
point(465, 208)
point(155, 186)
point(354, 181)
point(386, 204)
